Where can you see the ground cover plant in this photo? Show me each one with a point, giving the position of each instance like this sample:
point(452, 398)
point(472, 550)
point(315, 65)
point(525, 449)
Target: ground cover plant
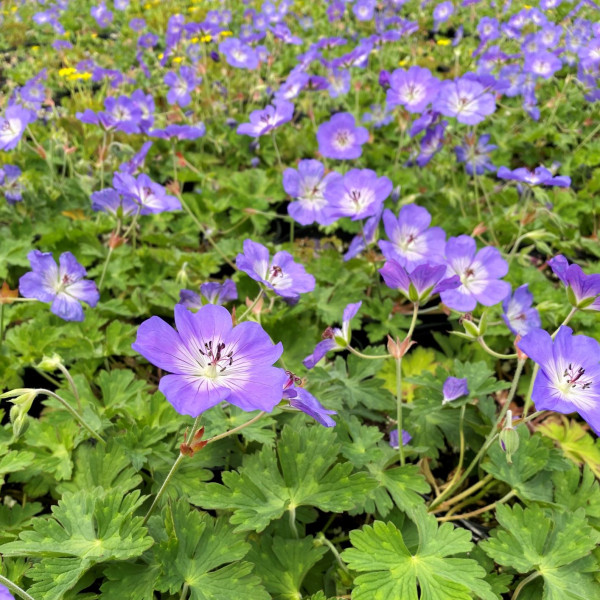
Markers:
point(299, 300)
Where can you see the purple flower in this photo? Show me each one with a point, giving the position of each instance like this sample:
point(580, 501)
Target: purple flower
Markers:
point(338, 82)
point(181, 85)
point(110, 201)
point(340, 138)
point(488, 29)
point(63, 285)
point(5, 593)
point(281, 274)
point(569, 376)
point(542, 63)
point(518, 313)
point(136, 162)
point(454, 388)
point(10, 183)
point(211, 361)
point(13, 125)
point(464, 99)
point(307, 186)
point(122, 114)
point(181, 132)
point(302, 400)
point(137, 24)
point(479, 273)
point(363, 10)
point(150, 197)
point(412, 242)
point(334, 338)
point(237, 54)
point(358, 194)
point(212, 291)
point(414, 89)
point(432, 143)
point(263, 121)
point(441, 13)
point(583, 290)
point(474, 154)
point(406, 437)
point(419, 284)
point(367, 236)
point(102, 15)
point(540, 176)
point(379, 116)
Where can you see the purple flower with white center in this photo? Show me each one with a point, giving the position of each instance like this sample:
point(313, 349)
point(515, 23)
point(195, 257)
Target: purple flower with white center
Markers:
point(432, 143)
point(550, 35)
point(406, 437)
point(13, 125)
point(137, 24)
point(63, 285)
point(569, 376)
point(583, 290)
point(10, 183)
point(359, 194)
point(237, 54)
point(181, 132)
point(334, 338)
point(518, 313)
point(542, 63)
point(540, 176)
point(589, 55)
point(110, 201)
point(479, 273)
point(464, 99)
point(379, 116)
point(102, 15)
point(340, 137)
point(441, 13)
point(307, 186)
point(211, 361)
point(148, 40)
point(367, 236)
point(264, 121)
point(150, 197)
point(423, 122)
point(488, 29)
point(212, 291)
point(454, 388)
point(414, 89)
point(300, 399)
point(474, 154)
point(136, 162)
point(122, 114)
point(411, 240)
point(339, 82)
point(5, 593)
point(181, 84)
point(421, 283)
point(294, 84)
point(364, 9)
point(281, 274)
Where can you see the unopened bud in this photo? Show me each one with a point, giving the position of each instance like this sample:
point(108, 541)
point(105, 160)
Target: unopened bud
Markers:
point(50, 363)
point(399, 348)
point(182, 276)
point(509, 438)
point(520, 354)
point(114, 241)
point(471, 328)
point(480, 229)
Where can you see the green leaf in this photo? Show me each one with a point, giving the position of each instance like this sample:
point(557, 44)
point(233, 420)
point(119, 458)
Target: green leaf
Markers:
point(15, 518)
point(86, 528)
point(574, 489)
point(205, 553)
point(302, 472)
point(130, 581)
point(392, 572)
point(556, 544)
point(15, 461)
point(283, 564)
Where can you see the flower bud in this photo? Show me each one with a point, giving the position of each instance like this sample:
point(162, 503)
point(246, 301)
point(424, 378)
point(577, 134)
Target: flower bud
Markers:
point(50, 363)
point(471, 328)
point(509, 438)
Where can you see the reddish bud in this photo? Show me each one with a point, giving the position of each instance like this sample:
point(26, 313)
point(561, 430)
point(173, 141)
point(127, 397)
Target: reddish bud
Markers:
point(480, 229)
point(114, 241)
point(520, 354)
point(399, 348)
point(6, 294)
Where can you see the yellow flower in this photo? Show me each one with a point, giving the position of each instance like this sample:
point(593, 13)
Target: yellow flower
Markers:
point(35, 48)
point(66, 71)
point(13, 8)
point(94, 35)
point(177, 59)
point(225, 33)
point(194, 40)
point(403, 62)
point(206, 38)
point(443, 42)
point(161, 56)
point(527, 6)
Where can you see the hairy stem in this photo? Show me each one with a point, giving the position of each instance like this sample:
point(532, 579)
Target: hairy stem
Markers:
point(13, 587)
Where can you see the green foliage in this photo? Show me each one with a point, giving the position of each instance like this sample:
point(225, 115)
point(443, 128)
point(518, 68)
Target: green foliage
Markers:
point(391, 571)
point(555, 544)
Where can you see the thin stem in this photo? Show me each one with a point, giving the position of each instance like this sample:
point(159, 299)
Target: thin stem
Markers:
point(73, 412)
point(461, 456)
point(105, 268)
point(334, 551)
point(523, 583)
point(72, 385)
point(170, 474)
point(493, 353)
point(276, 149)
point(260, 415)
point(588, 138)
point(184, 591)
point(292, 517)
point(13, 587)
point(479, 511)
point(251, 307)
point(481, 483)
point(368, 356)
point(1, 322)
point(490, 438)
